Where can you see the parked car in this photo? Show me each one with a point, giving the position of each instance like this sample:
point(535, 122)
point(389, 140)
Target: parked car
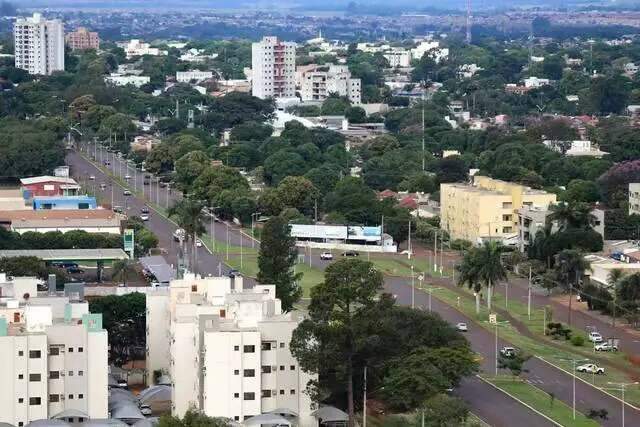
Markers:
point(145, 216)
point(179, 235)
point(92, 177)
point(144, 210)
point(508, 352)
point(146, 182)
point(350, 253)
point(595, 337)
point(64, 264)
point(590, 368)
point(74, 270)
point(122, 383)
point(327, 256)
point(146, 410)
point(118, 209)
point(103, 186)
point(605, 346)
point(462, 327)
point(198, 243)
point(233, 273)
point(127, 177)
point(126, 193)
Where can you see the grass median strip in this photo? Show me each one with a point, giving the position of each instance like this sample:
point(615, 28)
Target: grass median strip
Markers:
point(541, 401)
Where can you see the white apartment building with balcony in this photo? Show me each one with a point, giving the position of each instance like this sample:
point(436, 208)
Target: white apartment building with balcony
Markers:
point(53, 356)
point(398, 58)
point(317, 84)
point(274, 68)
point(194, 75)
point(225, 348)
point(39, 45)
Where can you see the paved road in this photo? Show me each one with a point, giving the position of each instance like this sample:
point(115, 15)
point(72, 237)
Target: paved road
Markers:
point(480, 396)
point(540, 374)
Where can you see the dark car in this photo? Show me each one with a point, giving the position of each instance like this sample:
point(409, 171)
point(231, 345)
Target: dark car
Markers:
point(350, 253)
point(74, 270)
point(144, 210)
point(64, 264)
point(233, 273)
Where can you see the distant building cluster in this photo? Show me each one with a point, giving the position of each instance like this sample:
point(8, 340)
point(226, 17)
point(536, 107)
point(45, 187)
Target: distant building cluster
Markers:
point(82, 39)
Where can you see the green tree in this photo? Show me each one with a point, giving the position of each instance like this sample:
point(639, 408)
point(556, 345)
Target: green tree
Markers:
point(443, 410)
point(189, 167)
point(120, 270)
point(355, 115)
point(515, 364)
point(329, 335)
point(276, 261)
point(192, 418)
point(282, 164)
point(572, 215)
point(188, 214)
point(482, 266)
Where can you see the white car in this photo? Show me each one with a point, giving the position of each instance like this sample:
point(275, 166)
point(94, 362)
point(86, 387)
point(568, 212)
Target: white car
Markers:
point(590, 368)
point(92, 177)
point(127, 177)
point(145, 410)
point(462, 327)
point(605, 346)
point(145, 217)
point(198, 243)
point(595, 337)
point(126, 193)
point(327, 256)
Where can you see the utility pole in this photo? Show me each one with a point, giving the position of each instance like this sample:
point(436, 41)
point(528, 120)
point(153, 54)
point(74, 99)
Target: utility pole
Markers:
point(529, 296)
point(435, 252)
point(423, 158)
point(409, 242)
point(364, 401)
point(413, 290)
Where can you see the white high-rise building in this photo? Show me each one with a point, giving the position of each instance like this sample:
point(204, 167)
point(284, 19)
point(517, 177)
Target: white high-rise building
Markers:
point(274, 68)
point(53, 355)
point(225, 348)
point(319, 83)
point(39, 44)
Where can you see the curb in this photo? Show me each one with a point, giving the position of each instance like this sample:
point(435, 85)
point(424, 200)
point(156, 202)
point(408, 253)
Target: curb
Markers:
point(520, 402)
point(588, 383)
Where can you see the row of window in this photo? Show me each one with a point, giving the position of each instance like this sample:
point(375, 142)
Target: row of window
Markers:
point(250, 373)
point(53, 375)
point(264, 393)
point(53, 351)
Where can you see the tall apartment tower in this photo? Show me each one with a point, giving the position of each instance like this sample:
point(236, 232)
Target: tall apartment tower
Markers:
point(39, 44)
point(274, 68)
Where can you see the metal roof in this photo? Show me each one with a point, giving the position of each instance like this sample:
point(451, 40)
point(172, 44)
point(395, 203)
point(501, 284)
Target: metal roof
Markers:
point(159, 267)
point(67, 254)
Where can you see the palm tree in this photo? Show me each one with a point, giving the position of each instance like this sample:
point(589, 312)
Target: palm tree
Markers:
point(613, 279)
point(469, 275)
point(188, 214)
point(120, 268)
point(571, 265)
point(572, 215)
point(489, 266)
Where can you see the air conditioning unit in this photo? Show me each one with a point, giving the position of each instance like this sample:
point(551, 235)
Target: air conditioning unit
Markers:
point(274, 369)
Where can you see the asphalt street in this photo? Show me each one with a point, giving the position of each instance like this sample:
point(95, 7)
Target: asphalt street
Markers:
point(491, 405)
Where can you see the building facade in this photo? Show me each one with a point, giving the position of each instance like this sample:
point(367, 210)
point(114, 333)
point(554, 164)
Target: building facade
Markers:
point(226, 349)
point(398, 58)
point(49, 186)
point(274, 68)
point(82, 39)
point(318, 84)
point(194, 75)
point(39, 45)
point(53, 354)
point(488, 209)
point(634, 198)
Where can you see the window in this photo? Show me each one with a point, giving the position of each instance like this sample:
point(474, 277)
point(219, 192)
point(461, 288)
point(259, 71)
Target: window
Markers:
point(194, 288)
point(506, 217)
point(81, 396)
point(292, 367)
point(507, 229)
point(83, 205)
point(248, 373)
point(236, 395)
point(282, 367)
point(80, 349)
point(249, 396)
point(223, 313)
point(20, 376)
point(34, 377)
point(71, 397)
point(236, 372)
point(80, 373)
point(70, 350)
point(70, 373)
point(266, 369)
point(281, 345)
point(20, 400)
point(507, 205)
point(236, 418)
point(236, 348)
point(20, 424)
point(54, 351)
point(35, 354)
point(292, 391)
point(265, 393)
point(249, 348)
point(21, 353)
point(281, 392)
point(54, 375)
point(33, 401)
point(266, 346)
point(53, 398)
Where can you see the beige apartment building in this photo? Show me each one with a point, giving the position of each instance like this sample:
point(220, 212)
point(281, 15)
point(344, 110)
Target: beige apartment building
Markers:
point(487, 209)
point(82, 39)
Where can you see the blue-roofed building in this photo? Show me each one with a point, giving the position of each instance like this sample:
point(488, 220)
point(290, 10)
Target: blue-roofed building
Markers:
point(64, 202)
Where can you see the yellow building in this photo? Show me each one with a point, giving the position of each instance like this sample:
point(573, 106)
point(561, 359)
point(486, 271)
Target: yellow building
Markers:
point(488, 209)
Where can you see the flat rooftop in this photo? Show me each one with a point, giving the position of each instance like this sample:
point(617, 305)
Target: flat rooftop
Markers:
point(67, 254)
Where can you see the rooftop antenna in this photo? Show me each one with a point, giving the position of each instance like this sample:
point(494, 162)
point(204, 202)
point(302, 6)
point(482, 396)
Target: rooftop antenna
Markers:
point(468, 38)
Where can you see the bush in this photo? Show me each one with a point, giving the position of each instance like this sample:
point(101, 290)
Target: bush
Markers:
point(556, 330)
point(577, 340)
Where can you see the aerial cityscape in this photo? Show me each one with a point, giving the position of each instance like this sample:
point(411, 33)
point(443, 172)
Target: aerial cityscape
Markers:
point(319, 213)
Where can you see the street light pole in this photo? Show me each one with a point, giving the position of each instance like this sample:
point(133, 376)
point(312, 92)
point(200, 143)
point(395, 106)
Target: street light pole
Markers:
point(529, 296)
point(413, 288)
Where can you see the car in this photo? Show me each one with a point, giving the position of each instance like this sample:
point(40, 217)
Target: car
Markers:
point(74, 270)
point(163, 184)
point(233, 273)
point(118, 209)
point(179, 234)
point(146, 182)
point(126, 193)
point(508, 352)
point(595, 337)
point(327, 256)
point(122, 383)
point(462, 327)
point(590, 368)
point(198, 243)
point(64, 264)
point(350, 254)
point(103, 186)
point(605, 346)
point(107, 163)
point(92, 177)
point(127, 177)
point(145, 216)
point(144, 210)
point(145, 410)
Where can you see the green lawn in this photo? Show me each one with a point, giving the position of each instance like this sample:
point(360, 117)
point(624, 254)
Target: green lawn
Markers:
point(541, 346)
point(221, 247)
point(310, 277)
point(541, 401)
point(399, 265)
